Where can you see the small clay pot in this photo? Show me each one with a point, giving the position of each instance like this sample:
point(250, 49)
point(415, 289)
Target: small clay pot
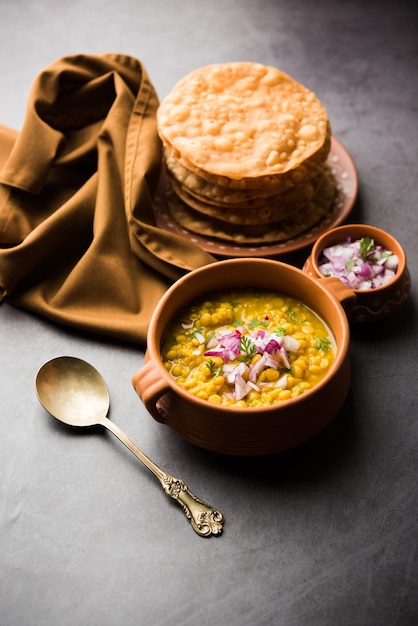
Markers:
point(373, 304)
point(238, 430)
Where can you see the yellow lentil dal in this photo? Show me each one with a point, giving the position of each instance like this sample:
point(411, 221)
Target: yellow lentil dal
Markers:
point(247, 348)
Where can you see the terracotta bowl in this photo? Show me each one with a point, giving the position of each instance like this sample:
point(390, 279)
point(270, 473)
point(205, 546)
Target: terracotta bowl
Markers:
point(374, 304)
point(247, 431)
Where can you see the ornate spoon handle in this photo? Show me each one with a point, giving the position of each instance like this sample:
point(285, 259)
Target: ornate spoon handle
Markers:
point(205, 519)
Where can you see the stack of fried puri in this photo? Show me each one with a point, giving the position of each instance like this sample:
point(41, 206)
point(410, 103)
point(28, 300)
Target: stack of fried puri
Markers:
point(245, 149)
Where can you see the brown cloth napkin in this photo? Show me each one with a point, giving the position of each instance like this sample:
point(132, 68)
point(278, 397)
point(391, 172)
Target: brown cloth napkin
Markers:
point(78, 240)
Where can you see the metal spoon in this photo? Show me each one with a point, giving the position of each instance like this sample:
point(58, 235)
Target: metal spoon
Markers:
point(74, 392)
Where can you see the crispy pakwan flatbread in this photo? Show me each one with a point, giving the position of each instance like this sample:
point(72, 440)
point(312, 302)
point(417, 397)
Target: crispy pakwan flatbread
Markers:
point(276, 232)
point(230, 191)
point(245, 148)
point(267, 212)
point(242, 121)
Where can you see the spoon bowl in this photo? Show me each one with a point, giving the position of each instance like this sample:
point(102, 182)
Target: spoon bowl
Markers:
point(75, 393)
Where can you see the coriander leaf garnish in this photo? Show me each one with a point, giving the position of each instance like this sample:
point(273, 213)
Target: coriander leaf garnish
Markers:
point(210, 365)
point(254, 323)
point(247, 347)
point(280, 332)
point(292, 316)
point(322, 343)
point(367, 246)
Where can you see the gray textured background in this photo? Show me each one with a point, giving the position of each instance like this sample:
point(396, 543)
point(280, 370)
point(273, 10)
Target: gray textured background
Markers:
point(323, 535)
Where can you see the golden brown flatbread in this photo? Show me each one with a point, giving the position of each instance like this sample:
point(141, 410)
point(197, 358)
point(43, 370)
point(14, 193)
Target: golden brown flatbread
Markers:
point(279, 231)
point(245, 148)
point(267, 212)
point(242, 121)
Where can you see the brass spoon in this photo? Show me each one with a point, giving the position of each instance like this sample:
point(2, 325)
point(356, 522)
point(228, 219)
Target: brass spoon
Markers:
point(74, 392)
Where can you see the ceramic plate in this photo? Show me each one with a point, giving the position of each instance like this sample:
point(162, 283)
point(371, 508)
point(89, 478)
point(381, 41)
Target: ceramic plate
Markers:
point(345, 174)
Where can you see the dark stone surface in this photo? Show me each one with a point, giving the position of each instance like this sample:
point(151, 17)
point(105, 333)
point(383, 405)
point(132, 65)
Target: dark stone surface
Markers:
point(322, 535)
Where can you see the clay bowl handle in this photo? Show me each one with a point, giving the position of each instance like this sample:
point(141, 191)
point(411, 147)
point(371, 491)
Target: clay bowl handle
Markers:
point(150, 386)
point(346, 296)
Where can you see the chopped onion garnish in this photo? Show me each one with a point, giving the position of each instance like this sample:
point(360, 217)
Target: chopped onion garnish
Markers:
point(282, 382)
point(237, 349)
point(241, 387)
point(360, 264)
point(290, 344)
point(200, 338)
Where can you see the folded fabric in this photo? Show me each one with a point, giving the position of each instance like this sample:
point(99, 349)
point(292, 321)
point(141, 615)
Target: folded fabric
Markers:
point(78, 239)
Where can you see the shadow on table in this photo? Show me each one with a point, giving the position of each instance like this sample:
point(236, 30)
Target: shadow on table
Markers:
point(317, 457)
